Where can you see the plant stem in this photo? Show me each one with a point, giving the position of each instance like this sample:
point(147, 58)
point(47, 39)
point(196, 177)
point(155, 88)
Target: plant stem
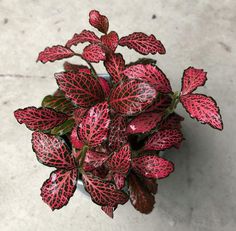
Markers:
point(82, 157)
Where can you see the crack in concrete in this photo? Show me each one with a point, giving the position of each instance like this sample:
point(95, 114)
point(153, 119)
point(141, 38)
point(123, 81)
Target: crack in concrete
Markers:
point(21, 76)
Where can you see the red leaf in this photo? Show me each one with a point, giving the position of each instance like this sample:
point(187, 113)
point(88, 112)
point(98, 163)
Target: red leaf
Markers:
point(192, 79)
point(101, 172)
point(131, 97)
point(102, 192)
point(75, 141)
point(54, 53)
point(203, 108)
point(94, 127)
point(93, 53)
point(39, 118)
point(172, 122)
point(98, 21)
point(119, 180)
point(79, 114)
point(143, 43)
point(120, 160)
point(69, 67)
point(151, 74)
point(150, 184)
point(140, 197)
point(108, 210)
point(84, 36)
point(105, 86)
point(52, 151)
point(110, 40)
point(161, 104)
point(115, 65)
point(59, 188)
point(163, 139)
point(144, 122)
point(84, 90)
point(117, 133)
point(152, 166)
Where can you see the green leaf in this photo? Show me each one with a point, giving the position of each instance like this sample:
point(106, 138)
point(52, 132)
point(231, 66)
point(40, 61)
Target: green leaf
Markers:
point(64, 128)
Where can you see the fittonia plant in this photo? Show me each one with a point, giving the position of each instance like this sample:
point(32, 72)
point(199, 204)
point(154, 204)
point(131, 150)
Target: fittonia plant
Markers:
point(110, 133)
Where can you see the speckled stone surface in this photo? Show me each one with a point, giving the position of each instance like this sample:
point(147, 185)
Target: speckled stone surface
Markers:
point(200, 195)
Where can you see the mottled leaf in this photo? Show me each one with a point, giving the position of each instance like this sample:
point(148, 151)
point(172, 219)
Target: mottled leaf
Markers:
point(160, 104)
point(108, 210)
point(79, 114)
point(110, 40)
point(119, 180)
point(93, 53)
point(105, 86)
point(172, 122)
point(98, 21)
point(75, 141)
point(142, 61)
point(70, 67)
point(64, 128)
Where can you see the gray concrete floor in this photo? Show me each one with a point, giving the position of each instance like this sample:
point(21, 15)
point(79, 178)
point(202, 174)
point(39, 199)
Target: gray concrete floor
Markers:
point(200, 195)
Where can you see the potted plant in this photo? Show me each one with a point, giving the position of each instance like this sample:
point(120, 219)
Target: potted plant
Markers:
point(109, 132)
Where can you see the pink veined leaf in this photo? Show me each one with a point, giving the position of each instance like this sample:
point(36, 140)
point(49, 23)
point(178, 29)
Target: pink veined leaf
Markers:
point(101, 172)
point(93, 53)
point(192, 79)
point(131, 97)
point(105, 86)
point(115, 65)
point(119, 180)
point(69, 67)
point(172, 122)
point(140, 197)
point(117, 133)
point(84, 90)
point(120, 160)
point(52, 151)
point(103, 192)
point(152, 166)
point(51, 54)
point(151, 74)
point(144, 122)
point(84, 36)
point(203, 108)
point(75, 141)
point(99, 21)
point(59, 188)
point(110, 40)
point(143, 43)
point(39, 119)
point(94, 127)
point(108, 210)
point(160, 104)
point(79, 114)
point(163, 139)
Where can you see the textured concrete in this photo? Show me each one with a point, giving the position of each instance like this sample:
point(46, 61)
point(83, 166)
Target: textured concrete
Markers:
point(200, 195)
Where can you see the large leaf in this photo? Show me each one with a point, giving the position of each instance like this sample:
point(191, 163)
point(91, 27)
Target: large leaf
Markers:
point(93, 53)
point(63, 128)
point(143, 43)
point(110, 40)
point(131, 97)
point(152, 166)
point(84, 36)
point(172, 122)
point(54, 53)
point(117, 133)
point(103, 192)
point(52, 151)
point(59, 188)
point(192, 79)
point(164, 139)
point(203, 108)
point(39, 119)
point(140, 197)
point(94, 127)
point(115, 65)
point(79, 114)
point(99, 21)
point(144, 122)
point(84, 90)
point(70, 67)
point(151, 74)
point(160, 104)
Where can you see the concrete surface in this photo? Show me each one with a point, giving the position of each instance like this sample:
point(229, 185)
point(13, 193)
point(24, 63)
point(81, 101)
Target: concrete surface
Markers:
point(201, 194)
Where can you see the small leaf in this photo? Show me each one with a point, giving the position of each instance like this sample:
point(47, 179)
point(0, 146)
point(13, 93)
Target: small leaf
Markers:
point(119, 180)
point(69, 67)
point(143, 61)
point(79, 114)
point(84, 36)
point(131, 97)
point(115, 65)
point(172, 122)
point(93, 53)
point(143, 43)
point(152, 166)
point(64, 128)
point(108, 210)
point(110, 40)
point(98, 21)
point(105, 86)
point(151, 74)
point(52, 151)
point(117, 133)
point(150, 184)
point(94, 127)
point(39, 119)
point(160, 104)
point(54, 53)
point(75, 141)
point(203, 108)
point(84, 90)
point(102, 192)
point(192, 79)
point(59, 188)
point(140, 197)
point(144, 122)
